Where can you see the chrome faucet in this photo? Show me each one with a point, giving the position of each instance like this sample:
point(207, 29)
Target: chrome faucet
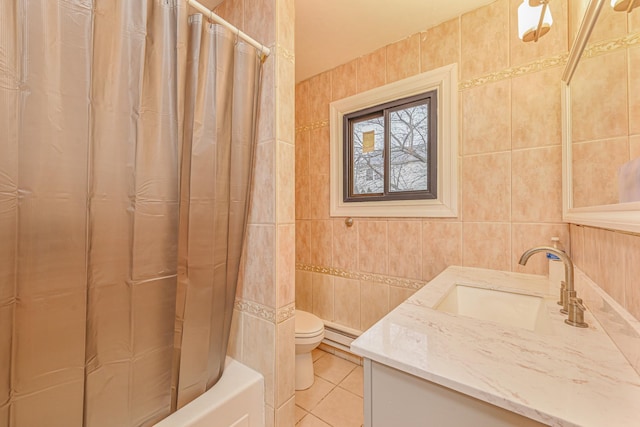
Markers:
point(571, 304)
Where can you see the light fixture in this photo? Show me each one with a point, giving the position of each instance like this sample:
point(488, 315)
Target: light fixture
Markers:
point(534, 19)
point(624, 5)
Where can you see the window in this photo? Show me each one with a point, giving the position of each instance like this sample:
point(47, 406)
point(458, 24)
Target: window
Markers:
point(394, 149)
point(390, 151)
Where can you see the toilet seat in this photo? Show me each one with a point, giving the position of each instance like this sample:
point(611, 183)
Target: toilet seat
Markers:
point(308, 325)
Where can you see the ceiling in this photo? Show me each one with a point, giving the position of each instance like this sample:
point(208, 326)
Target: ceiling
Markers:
point(333, 32)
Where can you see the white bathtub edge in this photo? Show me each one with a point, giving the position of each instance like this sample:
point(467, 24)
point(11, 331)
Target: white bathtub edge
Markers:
point(236, 400)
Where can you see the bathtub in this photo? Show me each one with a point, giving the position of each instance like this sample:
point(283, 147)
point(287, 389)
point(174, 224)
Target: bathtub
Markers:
point(237, 400)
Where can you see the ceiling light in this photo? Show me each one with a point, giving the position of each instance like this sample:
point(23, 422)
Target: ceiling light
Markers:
point(624, 5)
point(534, 19)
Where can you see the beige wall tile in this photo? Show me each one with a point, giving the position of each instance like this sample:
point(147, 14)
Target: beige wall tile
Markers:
point(372, 70)
point(442, 247)
point(591, 265)
point(269, 416)
point(537, 185)
point(634, 147)
point(286, 268)
point(527, 236)
point(259, 272)
point(286, 414)
point(486, 120)
point(323, 289)
point(630, 248)
point(403, 58)
point(285, 12)
point(259, 350)
point(610, 25)
point(485, 39)
point(398, 295)
point(374, 302)
point(577, 245)
point(321, 232)
point(264, 189)
point(267, 116)
point(303, 104)
point(285, 184)
point(487, 245)
point(345, 245)
point(552, 43)
point(344, 80)
point(319, 144)
point(634, 88)
point(304, 291)
point(372, 246)
point(576, 11)
point(405, 249)
point(612, 265)
point(599, 98)
point(260, 20)
point(440, 45)
point(302, 171)
point(303, 242)
point(320, 96)
point(536, 109)
point(595, 171)
point(347, 302)
point(319, 196)
point(285, 364)
point(285, 101)
point(486, 187)
point(634, 22)
point(303, 194)
point(231, 11)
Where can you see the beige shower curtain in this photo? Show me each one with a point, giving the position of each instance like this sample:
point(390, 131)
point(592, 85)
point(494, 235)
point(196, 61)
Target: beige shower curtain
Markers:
point(222, 86)
point(102, 191)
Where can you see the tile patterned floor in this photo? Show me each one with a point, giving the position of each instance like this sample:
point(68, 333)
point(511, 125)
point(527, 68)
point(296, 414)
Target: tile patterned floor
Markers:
point(335, 398)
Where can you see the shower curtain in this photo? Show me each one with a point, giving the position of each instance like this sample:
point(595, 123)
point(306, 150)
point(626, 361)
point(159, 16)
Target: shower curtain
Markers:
point(124, 173)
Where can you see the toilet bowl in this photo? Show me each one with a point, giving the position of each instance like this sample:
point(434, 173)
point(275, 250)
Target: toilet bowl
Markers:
point(309, 334)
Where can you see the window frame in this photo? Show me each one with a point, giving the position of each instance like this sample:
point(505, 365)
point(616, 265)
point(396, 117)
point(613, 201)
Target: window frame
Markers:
point(385, 110)
point(445, 81)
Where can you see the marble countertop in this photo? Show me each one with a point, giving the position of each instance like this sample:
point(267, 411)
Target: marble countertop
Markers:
point(565, 377)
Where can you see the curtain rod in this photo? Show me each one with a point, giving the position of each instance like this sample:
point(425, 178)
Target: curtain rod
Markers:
point(265, 51)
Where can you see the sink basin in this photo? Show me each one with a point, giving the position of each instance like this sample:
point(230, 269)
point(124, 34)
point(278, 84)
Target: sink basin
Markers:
point(507, 308)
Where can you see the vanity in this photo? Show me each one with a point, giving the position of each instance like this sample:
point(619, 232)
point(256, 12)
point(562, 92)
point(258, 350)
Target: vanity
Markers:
point(515, 363)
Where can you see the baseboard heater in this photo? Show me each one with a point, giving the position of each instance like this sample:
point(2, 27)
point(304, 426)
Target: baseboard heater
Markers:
point(339, 336)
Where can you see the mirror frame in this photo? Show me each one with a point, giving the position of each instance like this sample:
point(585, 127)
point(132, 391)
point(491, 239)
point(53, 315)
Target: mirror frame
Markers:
point(622, 216)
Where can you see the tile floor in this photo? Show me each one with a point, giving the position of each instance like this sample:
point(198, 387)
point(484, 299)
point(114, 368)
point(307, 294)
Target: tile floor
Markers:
point(335, 398)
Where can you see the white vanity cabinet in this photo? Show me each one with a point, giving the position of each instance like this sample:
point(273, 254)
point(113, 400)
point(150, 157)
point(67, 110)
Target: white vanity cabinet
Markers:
point(395, 398)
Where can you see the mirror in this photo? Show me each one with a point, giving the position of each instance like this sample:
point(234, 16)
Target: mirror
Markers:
point(601, 118)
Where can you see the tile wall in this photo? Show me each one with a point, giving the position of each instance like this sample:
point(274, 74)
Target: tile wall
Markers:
point(612, 260)
point(263, 328)
point(510, 166)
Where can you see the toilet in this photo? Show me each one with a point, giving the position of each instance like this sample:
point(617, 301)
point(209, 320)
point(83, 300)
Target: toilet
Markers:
point(309, 334)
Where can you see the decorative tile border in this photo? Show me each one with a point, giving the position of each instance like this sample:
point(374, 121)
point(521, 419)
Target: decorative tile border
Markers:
point(263, 312)
point(286, 54)
point(508, 73)
point(312, 126)
point(255, 309)
point(371, 277)
point(286, 313)
point(595, 49)
point(607, 46)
